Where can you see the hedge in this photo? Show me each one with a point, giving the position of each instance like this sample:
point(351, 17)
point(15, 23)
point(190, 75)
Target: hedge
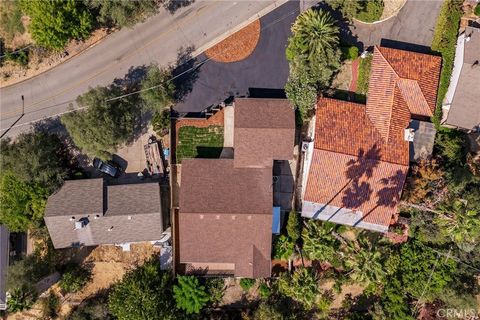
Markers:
point(443, 43)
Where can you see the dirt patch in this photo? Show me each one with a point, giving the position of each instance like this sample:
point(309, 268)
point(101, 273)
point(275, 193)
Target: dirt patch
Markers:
point(235, 296)
point(391, 8)
point(344, 77)
point(238, 46)
point(41, 60)
point(353, 290)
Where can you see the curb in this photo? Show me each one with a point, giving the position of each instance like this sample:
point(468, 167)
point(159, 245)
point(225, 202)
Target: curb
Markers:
point(383, 20)
point(245, 23)
point(62, 62)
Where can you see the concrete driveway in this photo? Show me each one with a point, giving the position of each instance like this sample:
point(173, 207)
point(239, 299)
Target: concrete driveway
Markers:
point(266, 67)
point(412, 28)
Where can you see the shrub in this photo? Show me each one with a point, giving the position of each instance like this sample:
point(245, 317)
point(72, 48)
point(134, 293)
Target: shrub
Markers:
point(215, 288)
point(50, 306)
point(74, 279)
point(477, 10)
point(444, 42)
point(264, 291)
point(349, 53)
point(371, 11)
point(293, 226)
point(161, 122)
point(19, 57)
point(20, 299)
point(282, 248)
point(246, 283)
point(364, 74)
point(301, 286)
point(189, 294)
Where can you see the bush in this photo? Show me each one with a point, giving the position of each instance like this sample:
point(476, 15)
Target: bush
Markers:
point(20, 299)
point(349, 53)
point(19, 57)
point(282, 248)
point(247, 283)
point(444, 42)
point(50, 306)
point(75, 278)
point(371, 11)
point(264, 291)
point(161, 122)
point(189, 294)
point(294, 230)
point(477, 10)
point(215, 288)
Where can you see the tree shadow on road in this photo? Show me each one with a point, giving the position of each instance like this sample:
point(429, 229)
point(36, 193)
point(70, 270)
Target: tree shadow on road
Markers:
point(173, 5)
point(185, 73)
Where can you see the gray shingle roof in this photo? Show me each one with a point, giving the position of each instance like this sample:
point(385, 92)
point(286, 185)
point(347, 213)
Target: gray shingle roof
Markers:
point(129, 213)
point(4, 252)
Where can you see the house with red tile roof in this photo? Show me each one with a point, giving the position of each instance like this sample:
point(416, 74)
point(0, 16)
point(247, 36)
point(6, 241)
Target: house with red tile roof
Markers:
point(226, 214)
point(356, 166)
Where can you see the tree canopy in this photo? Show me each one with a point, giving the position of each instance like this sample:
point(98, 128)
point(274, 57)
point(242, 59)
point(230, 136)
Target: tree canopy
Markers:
point(103, 125)
point(33, 166)
point(144, 293)
point(122, 13)
point(189, 294)
point(162, 95)
point(314, 58)
point(55, 22)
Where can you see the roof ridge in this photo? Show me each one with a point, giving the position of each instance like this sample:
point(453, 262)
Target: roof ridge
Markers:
point(347, 154)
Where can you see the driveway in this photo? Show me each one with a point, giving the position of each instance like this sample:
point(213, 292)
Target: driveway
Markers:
point(412, 28)
point(265, 68)
point(156, 40)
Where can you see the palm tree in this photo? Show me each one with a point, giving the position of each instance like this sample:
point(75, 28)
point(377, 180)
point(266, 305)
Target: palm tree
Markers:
point(460, 220)
point(314, 36)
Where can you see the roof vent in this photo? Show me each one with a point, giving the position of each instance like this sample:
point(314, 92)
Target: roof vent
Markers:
point(129, 217)
point(409, 134)
point(80, 224)
point(72, 219)
point(96, 217)
point(110, 229)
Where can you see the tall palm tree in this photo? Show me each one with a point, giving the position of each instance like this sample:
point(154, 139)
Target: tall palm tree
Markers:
point(315, 36)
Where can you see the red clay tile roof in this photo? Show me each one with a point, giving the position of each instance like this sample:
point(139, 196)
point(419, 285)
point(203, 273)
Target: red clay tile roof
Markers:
point(401, 84)
point(344, 127)
point(264, 131)
point(344, 181)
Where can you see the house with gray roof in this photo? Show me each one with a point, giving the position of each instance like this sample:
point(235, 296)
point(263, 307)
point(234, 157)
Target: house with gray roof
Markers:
point(461, 107)
point(89, 212)
point(4, 254)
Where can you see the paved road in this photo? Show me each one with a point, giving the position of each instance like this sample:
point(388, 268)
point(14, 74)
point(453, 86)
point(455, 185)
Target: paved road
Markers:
point(156, 40)
point(412, 28)
point(265, 68)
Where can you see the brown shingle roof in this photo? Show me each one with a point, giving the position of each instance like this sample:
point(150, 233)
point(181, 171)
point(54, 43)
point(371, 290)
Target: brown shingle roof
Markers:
point(264, 131)
point(132, 213)
point(361, 157)
point(225, 213)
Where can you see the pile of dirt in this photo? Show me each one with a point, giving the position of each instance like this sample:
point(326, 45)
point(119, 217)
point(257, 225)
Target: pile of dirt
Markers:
point(238, 46)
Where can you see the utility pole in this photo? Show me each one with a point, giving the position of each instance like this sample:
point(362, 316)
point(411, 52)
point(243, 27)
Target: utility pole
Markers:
point(16, 121)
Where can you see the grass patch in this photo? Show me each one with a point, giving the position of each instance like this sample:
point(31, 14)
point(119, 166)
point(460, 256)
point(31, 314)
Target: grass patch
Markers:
point(372, 11)
point(364, 75)
point(443, 43)
point(196, 142)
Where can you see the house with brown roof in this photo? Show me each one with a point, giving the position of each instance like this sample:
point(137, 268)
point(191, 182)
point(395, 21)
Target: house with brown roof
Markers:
point(88, 212)
point(356, 166)
point(225, 218)
point(461, 107)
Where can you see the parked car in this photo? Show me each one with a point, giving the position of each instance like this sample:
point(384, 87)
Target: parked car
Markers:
point(111, 168)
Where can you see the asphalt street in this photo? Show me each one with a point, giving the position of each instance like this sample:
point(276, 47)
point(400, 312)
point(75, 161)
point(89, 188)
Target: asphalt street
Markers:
point(156, 40)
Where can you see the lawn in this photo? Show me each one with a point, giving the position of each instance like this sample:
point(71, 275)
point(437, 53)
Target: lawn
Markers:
point(196, 142)
point(364, 75)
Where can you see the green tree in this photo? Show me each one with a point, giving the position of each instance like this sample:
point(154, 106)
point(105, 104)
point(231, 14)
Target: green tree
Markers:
point(282, 248)
point(301, 286)
point(20, 203)
point(319, 242)
point(20, 300)
point(460, 219)
point(293, 226)
point(161, 122)
point(33, 166)
point(314, 57)
point(189, 294)
point(159, 90)
point(103, 125)
point(75, 278)
point(267, 311)
point(349, 8)
point(55, 22)
point(122, 13)
point(247, 283)
point(144, 293)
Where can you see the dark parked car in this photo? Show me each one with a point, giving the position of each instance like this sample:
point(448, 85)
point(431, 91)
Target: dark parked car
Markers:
point(111, 168)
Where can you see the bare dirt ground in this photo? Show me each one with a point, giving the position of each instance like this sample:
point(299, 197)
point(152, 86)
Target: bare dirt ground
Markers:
point(391, 8)
point(344, 77)
point(109, 264)
point(42, 60)
point(353, 290)
point(235, 296)
point(238, 46)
